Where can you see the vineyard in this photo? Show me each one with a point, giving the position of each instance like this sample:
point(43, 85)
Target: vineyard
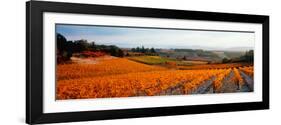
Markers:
point(122, 77)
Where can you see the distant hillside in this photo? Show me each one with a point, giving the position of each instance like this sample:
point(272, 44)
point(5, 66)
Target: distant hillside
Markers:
point(239, 49)
point(200, 55)
point(190, 54)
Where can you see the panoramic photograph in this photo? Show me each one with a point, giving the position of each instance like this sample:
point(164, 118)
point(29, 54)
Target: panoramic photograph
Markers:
point(95, 61)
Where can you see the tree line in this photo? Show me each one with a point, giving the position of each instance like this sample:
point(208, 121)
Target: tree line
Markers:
point(247, 57)
point(143, 50)
point(66, 48)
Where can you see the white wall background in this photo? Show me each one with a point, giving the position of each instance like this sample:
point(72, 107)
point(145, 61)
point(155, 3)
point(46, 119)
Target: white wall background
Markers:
point(12, 61)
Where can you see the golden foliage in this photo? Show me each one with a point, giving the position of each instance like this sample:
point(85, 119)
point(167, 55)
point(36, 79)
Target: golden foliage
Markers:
point(237, 77)
point(125, 85)
point(248, 70)
point(213, 66)
point(219, 78)
point(102, 68)
point(120, 77)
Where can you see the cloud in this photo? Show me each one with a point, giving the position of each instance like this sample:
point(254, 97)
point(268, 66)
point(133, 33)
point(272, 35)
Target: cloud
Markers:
point(158, 38)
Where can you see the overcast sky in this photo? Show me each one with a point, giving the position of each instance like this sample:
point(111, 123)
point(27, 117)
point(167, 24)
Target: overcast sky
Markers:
point(125, 37)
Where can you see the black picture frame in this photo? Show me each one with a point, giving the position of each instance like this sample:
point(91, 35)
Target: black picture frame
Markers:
point(34, 61)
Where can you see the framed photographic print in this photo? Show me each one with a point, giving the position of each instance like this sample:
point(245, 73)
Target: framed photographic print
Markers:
point(95, 62)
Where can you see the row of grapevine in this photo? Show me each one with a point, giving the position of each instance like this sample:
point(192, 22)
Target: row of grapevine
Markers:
point(103, 67)
point(238, 78)
point(219, 78)
point(124, 78)
point(248, 70)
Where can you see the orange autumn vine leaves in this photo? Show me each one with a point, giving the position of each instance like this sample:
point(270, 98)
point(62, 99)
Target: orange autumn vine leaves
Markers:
point(121, 77)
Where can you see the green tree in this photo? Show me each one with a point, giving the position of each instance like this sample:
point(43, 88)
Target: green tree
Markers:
point(142, 49)
point(120, 53)
point(64, 48)
point(248, 57)
point(152, 50)
point(81, 45)
point(225, 60)
point(61, 42)
point(133, 49)
point(138, 49)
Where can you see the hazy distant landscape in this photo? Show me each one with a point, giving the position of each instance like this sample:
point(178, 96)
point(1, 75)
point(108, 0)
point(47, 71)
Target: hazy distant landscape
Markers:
point(97, 69)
